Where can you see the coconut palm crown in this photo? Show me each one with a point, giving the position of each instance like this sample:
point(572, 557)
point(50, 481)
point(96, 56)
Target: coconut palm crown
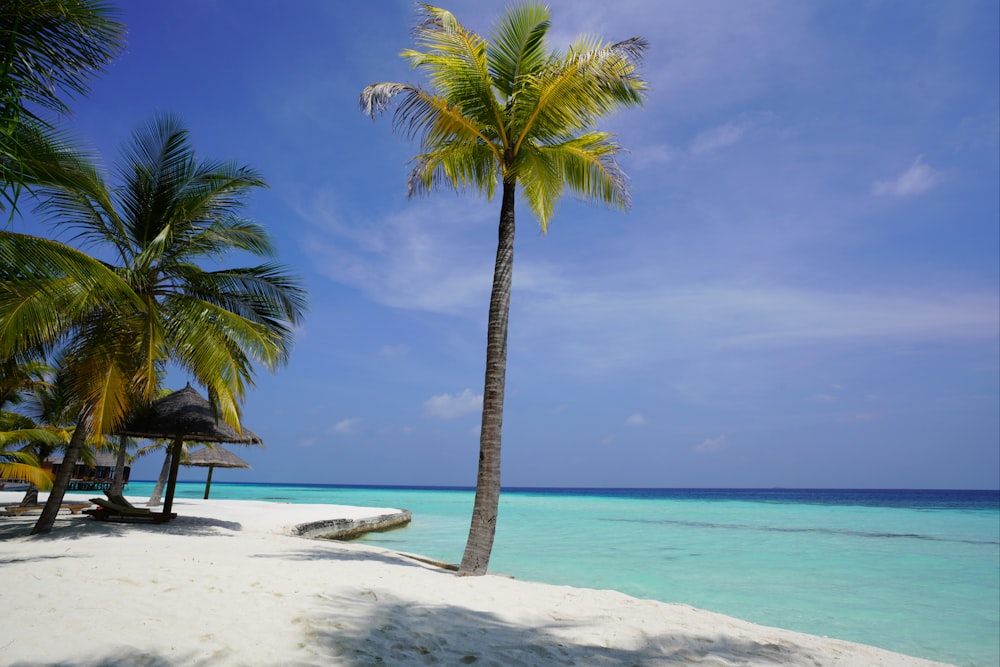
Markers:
point(509, 112)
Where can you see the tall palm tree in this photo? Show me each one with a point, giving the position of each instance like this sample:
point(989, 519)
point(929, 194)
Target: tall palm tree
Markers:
point(51, 410)
point(510, 112)
point(48, 49)
point(170, 213)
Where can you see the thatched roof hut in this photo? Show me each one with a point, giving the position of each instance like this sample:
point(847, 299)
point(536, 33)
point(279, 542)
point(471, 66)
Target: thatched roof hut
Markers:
point(183, 416)
point(212, 458)
point(185, 413)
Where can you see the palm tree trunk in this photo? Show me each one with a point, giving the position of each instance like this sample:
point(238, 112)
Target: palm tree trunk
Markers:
point(61, 482)
point(31, 495)
point(117, 481)
point(161, 481)
point(476, 558)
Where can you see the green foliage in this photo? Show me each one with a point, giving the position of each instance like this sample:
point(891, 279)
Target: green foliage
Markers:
point(49, 49)
point(118, 323)
point(510, 110)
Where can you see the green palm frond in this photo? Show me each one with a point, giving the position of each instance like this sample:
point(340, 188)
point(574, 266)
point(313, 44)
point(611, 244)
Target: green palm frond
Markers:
point(48, 288)
point(518, 47)
point(265, 294)
point(219, 237)
point(569, 95)
point(48, 49)
point(464, 166)
point(21, 464)
point(26, 472)
point(54, 437)
point(55, 45)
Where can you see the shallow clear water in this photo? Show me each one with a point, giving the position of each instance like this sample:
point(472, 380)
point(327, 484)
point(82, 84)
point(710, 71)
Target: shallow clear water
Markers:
point(914, 572)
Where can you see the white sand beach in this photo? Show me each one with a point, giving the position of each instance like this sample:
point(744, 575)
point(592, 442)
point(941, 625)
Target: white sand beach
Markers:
point(226, 583)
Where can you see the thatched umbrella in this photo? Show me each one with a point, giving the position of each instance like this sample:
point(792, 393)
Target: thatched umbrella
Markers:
point(183, 416)
point(212, 458)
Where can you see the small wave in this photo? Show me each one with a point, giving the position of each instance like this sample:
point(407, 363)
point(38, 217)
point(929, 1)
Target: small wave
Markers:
point(827, 531)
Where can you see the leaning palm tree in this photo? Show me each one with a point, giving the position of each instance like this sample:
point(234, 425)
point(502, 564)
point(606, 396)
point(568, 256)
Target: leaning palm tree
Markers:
point(508, 112)
point(170, 213)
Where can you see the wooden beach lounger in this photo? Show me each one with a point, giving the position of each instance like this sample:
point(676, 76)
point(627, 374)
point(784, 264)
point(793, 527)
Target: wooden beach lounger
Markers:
point(18, 510)
point(107, 510)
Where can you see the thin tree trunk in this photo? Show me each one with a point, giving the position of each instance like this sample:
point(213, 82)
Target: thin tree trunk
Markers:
point(31, 495)
point(58, 492)
point(117, 481)
point(161, 481)
point(476, 558)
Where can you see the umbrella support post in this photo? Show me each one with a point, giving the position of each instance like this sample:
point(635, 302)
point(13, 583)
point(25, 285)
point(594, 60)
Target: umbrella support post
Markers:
point(175, 462)
point(208, 482)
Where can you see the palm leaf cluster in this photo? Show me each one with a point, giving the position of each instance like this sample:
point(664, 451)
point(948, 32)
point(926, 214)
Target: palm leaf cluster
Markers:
point(509, 110)
point(48, 49)
point(119, 320)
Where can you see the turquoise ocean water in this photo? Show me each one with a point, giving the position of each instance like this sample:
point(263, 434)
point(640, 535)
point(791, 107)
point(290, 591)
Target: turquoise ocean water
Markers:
point(911, 571)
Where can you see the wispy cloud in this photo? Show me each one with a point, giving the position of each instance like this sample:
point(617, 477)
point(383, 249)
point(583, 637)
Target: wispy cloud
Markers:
point(707, 319)
point(635, 420)
point(711, 445)
point(642, 157)
point(346, 426)
point(450, 406)
point(917, 179)
point(393, 350)
point(717, 138)
point(426, 256)
point(860, 417)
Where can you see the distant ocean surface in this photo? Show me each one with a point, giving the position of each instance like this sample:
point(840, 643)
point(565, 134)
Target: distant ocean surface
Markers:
point(916, 572)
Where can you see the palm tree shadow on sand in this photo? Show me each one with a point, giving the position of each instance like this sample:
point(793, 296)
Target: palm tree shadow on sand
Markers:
point(389, 631)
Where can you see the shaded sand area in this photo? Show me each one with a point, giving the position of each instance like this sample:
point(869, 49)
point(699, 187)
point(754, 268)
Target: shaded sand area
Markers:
point(228, 583)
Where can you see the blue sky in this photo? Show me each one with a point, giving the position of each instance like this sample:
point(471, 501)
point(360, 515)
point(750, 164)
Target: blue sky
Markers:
point(805, 293)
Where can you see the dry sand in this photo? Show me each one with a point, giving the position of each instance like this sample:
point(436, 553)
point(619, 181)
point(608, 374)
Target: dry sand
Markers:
point(227, 584)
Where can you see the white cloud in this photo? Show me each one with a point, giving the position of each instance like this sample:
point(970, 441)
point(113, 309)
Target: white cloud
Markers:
point(609, 439)
point(917, 179)
point(711, 445)
point(393, 350)
point(635, 420)
point(346, 426)
point(433, 255)
point(717, 138)
point(654, 155)
point(860, 418)
point(450, 406)
point(705, 319)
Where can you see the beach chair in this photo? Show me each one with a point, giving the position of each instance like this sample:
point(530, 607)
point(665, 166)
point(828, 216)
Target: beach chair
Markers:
point(18, 510)
point(119, 499)
point(107, 510)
